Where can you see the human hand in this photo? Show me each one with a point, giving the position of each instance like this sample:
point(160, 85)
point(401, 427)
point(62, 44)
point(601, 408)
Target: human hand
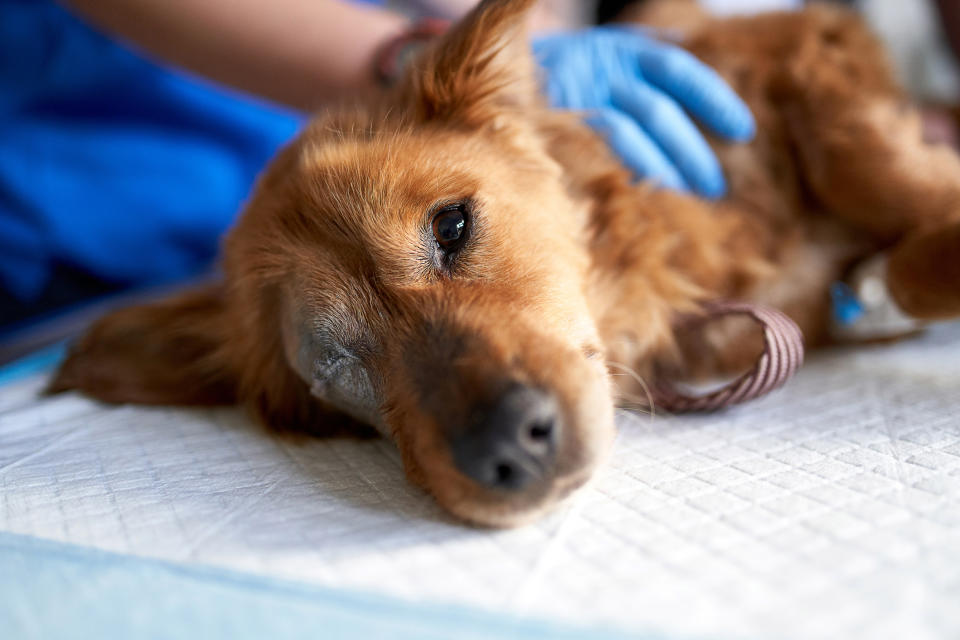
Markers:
point(636, 92)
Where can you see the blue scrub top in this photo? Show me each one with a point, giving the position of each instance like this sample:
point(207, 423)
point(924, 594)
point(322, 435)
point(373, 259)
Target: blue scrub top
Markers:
point(111, 164)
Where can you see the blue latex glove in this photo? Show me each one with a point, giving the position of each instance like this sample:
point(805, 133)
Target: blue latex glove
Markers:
point(635, 90)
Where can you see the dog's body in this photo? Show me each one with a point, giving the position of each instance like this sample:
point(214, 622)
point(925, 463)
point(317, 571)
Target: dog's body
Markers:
point(343, 298)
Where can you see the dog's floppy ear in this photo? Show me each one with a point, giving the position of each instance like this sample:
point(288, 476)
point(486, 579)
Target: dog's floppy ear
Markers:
point(168, 352)
point(482, 66)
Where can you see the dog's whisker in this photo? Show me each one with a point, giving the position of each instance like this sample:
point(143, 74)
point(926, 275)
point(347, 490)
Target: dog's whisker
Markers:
point(636, 377)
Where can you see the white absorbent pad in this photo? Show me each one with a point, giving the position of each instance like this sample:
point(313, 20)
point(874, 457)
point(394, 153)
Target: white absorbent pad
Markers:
point(828, 509)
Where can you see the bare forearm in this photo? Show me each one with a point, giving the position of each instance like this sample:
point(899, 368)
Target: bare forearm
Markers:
point(296, 52)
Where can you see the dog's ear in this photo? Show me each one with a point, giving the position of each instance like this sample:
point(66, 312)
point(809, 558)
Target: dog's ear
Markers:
point(168, 352)
point(481, 67)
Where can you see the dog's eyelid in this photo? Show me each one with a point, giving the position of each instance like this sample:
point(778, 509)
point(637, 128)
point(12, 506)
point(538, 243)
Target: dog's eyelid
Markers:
point(466, 202)
point(328, 362)
point(331, 349)
point(335, 362)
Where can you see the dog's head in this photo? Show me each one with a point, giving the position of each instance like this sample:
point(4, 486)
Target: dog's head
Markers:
point(416, 264)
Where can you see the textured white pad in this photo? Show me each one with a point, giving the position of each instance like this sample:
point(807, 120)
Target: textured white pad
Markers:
point(829, 509)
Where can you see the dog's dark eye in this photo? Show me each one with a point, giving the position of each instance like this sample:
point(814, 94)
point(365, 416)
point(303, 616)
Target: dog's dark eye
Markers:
point(450, 227)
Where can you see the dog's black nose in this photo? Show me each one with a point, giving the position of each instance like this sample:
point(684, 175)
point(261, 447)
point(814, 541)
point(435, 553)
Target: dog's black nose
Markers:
point(509, 443)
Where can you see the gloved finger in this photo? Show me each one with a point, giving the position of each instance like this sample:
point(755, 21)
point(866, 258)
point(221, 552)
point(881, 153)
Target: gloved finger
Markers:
point(698, 88)
point(674, 133)
point(558, 87)
point(568, 70)
point(637, 150)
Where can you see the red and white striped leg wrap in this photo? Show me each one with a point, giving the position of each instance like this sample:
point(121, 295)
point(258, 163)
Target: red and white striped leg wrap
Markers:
point(782, 356)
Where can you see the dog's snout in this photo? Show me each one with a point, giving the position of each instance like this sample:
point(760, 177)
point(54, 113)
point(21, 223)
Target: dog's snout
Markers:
point(511, 442)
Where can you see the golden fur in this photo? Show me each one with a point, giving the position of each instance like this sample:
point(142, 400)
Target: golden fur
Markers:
point(570, 265)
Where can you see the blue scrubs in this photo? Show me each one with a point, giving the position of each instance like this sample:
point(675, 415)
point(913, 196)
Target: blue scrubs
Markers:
point(111, 165)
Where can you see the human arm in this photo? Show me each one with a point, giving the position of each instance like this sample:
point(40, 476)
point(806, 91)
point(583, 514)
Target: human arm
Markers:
point(305, 53)
point(296, 53)
point(293, 52)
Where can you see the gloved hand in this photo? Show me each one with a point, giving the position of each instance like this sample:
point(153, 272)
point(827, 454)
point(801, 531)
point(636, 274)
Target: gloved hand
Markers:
point(634, 90)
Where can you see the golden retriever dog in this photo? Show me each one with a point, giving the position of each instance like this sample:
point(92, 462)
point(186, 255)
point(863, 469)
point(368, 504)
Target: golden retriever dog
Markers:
point(462, 268)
